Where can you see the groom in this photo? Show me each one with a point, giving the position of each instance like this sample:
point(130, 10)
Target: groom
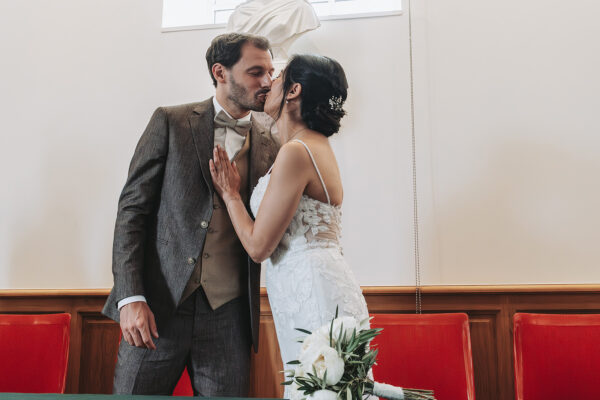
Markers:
point(185, 291)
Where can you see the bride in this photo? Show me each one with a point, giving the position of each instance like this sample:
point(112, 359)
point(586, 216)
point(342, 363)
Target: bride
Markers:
point(297, 204)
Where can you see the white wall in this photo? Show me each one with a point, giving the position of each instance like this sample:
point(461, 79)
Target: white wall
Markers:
point(505, 96)
point(512, 109)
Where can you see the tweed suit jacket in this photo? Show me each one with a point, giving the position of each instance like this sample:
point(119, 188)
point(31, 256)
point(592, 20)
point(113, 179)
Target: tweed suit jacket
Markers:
point(165, 204)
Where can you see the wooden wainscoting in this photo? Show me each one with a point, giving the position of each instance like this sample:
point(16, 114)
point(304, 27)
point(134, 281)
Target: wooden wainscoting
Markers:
point(94, 338)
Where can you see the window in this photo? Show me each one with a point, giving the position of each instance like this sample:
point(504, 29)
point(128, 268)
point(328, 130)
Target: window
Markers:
point(194, 14)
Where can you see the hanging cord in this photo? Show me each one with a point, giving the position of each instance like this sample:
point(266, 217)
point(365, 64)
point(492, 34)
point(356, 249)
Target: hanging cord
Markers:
point(414, 169)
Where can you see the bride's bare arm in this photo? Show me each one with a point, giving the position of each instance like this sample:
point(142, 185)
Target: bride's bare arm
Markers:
point(288, 180)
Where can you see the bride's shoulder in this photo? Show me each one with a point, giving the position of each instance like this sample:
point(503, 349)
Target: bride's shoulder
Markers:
point(291, 155)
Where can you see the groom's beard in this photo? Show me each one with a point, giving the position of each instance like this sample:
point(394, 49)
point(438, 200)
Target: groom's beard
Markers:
point(247, 101)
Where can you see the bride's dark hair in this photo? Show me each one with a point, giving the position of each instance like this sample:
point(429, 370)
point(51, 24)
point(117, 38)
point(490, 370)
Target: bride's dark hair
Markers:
point(324, 91)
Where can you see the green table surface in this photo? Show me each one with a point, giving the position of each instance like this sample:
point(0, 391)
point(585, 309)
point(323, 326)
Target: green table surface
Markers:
point(46, 396)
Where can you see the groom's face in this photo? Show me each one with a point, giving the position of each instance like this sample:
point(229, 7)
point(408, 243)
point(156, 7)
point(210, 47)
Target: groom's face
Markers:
point(249, 80)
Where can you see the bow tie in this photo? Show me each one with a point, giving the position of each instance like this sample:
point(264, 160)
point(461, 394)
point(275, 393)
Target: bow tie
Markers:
point(224, 121)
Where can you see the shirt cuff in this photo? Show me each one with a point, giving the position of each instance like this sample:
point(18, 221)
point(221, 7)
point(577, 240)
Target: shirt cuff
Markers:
point(130, 299)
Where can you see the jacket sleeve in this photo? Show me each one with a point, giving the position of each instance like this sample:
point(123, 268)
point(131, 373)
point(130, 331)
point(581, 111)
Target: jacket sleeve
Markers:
point(137, 205)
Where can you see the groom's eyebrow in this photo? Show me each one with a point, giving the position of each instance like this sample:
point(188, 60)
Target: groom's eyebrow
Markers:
point(255, 68)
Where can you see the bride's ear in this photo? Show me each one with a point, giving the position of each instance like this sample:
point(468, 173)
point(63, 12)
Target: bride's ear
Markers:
point(294, 92)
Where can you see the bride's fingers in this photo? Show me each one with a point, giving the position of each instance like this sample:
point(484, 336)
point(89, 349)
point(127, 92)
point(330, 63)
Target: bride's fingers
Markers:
point(225, 160)
point(222, 154)
point(214, 172)
point(216, 158)
point(219, 156)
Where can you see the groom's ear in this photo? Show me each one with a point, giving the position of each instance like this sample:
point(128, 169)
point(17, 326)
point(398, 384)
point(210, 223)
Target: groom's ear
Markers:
point(218, 71)
point(294, 91)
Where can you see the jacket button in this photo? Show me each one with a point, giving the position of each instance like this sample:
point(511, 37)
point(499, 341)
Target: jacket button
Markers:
point(191, 261)
point(206, 255)
point(204, 224)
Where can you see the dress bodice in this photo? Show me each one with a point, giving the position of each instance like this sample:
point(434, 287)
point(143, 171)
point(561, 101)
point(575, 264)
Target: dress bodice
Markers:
point(314, 224)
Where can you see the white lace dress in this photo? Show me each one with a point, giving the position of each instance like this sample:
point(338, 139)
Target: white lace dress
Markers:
point(307, 276)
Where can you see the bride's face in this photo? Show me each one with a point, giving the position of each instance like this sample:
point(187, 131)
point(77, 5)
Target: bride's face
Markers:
point(273, 100)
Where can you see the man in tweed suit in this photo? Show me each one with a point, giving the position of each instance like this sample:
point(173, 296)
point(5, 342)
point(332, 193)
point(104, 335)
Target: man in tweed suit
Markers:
point(185, 291)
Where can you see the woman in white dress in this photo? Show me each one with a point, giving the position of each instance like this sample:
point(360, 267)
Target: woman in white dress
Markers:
point(297, 204)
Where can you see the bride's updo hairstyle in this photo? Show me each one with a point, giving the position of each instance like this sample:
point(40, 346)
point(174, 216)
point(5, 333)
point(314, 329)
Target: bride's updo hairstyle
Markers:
point(324, 91)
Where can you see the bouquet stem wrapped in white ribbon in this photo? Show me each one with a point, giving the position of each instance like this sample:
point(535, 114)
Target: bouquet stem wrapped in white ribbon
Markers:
point(335, 364)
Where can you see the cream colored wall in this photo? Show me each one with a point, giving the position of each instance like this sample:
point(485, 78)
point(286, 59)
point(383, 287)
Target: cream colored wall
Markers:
point(511, 105)
point(506, 100)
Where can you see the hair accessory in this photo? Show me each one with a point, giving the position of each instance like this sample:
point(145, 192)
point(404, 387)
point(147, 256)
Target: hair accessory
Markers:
point(335, 103)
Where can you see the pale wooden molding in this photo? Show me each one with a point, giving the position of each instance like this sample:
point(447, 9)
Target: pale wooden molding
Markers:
point(54, 292)
point(367, 290)
point(449, 289)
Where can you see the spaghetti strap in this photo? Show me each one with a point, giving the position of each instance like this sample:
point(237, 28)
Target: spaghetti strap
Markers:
point(317, 168)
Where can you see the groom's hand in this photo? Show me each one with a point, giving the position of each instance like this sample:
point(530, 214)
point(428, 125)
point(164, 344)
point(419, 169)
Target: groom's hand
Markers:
point(137, 323)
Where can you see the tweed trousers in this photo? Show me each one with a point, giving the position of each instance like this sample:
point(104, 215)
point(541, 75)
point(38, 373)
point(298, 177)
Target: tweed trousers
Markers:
point(213, 344)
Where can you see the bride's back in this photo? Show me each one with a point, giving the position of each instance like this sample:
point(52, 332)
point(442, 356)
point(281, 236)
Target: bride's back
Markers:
point(327, 165)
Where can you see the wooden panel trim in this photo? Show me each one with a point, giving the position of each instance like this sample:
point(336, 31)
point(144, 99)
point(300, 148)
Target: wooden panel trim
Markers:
point(54, 292)
point(367, 290)
point(492, 289)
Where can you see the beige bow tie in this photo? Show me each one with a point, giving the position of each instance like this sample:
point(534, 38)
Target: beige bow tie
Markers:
point(224, 121)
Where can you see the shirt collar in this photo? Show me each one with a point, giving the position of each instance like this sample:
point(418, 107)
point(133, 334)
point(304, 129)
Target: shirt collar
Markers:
point(218, 108)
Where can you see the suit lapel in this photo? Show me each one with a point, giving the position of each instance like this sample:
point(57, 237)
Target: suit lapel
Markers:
point(203, 133)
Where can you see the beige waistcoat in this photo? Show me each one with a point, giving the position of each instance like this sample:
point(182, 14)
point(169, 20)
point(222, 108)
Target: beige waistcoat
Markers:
point(222, 267)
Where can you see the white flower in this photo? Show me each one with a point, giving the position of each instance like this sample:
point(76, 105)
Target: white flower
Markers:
point(349, 324)
point(311, 346)
point(329, 360)
point(323, 395)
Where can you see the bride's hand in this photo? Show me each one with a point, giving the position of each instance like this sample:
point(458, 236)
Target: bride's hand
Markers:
point(225, 175)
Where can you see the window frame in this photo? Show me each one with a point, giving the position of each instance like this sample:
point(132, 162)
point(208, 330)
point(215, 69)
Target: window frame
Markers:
point(374, 14)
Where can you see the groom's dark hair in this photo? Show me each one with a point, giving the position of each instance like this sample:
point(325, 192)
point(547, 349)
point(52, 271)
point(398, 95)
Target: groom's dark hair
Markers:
point(226, 49)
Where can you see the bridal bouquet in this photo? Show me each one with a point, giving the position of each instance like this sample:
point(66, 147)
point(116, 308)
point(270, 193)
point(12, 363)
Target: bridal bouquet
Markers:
point(335, 363)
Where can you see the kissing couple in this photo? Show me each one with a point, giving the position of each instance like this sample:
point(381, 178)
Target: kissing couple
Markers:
point(210, 195)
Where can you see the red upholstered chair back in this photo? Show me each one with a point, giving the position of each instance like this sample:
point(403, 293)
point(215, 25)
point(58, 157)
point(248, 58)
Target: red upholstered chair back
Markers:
point(34, 350)
point(184, 385)
point(557, 356)
point(425, 351)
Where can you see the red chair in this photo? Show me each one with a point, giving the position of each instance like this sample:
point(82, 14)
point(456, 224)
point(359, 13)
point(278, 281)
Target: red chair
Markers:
point(34, 350)
point(425, 351)
point(557, 356)
point(184, 385)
